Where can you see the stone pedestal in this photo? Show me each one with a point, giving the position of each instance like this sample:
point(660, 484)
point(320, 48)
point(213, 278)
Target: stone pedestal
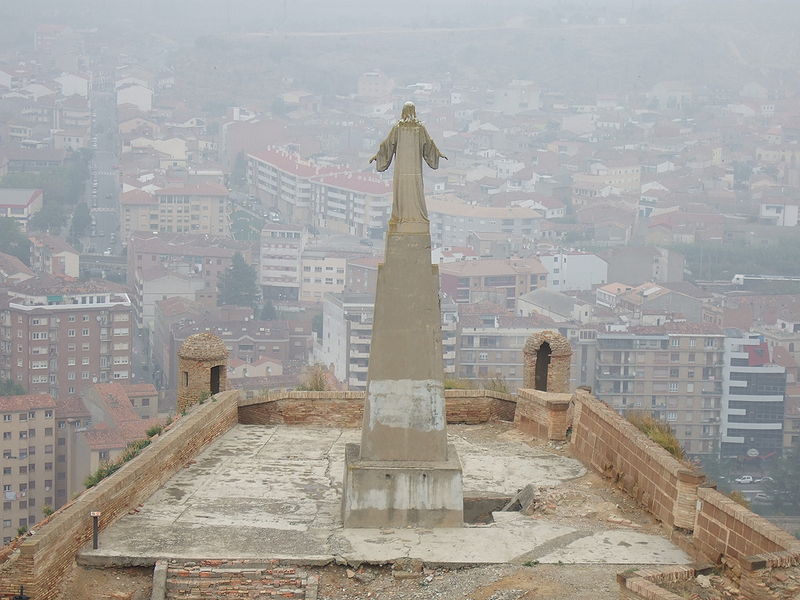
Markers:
point(404, 415)
point(420, 493)
point(404, 473)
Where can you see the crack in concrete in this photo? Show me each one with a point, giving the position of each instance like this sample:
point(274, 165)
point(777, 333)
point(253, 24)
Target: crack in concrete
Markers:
point(551, 545)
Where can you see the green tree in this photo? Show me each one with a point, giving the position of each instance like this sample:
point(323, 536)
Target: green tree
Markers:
point(268, 313)
point(237, 284)
point(8, 387)
point(13, 242)
point(81, 219)
point(51, 218)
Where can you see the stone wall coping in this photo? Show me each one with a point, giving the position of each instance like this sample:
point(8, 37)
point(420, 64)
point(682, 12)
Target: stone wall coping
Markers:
point(690, 476)
point(647, 590)
point(755, 522)
point(359, 395)
point(550, 399)
point(66, 518)
point(771, 560)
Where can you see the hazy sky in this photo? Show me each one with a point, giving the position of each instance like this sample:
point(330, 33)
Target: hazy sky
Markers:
point(572, 45)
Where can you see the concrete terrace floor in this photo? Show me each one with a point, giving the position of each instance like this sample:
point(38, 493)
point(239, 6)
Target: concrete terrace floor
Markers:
point(274, 492)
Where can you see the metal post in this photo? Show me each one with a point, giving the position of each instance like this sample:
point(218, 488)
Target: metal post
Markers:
point(21, 595)
point(95, 528)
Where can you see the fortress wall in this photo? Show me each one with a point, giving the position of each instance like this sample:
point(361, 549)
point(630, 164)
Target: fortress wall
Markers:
point(542, 414)
point(611, 445)
point(345, 409)
point(725, 528)
point(211, 579)
point(41, 561)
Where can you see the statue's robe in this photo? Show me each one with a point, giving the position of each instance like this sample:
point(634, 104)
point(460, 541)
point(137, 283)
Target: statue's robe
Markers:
point(410, 142)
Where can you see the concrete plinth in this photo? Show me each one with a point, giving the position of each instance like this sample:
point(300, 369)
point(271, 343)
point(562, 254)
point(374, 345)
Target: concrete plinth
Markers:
point(380, 493)
point(404, 415)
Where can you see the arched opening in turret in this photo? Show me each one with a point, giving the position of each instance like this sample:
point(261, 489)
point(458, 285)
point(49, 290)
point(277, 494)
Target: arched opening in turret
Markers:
point(542, 365)
point(215, 377)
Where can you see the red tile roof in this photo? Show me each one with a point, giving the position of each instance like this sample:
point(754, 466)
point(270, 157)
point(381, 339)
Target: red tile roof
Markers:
point(26, 402)
point(70, 408)
point(138, 198)
point(292, 163)
point(356, 183)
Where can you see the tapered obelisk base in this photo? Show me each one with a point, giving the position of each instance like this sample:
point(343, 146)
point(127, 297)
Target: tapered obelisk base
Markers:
point(404, 473)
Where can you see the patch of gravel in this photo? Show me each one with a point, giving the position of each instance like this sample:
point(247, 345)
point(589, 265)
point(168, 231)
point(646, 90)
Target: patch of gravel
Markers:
point(494, 582)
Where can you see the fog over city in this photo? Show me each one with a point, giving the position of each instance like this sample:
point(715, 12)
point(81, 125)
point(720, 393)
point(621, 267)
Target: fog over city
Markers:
point(625, 173)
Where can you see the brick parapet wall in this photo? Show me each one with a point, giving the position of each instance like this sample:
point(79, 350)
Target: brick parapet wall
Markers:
point(607, 442)
point(645, 584)
point(345, 409)
point(543, 414)
point(44, 558)
point(211, 579)
point(725, 528)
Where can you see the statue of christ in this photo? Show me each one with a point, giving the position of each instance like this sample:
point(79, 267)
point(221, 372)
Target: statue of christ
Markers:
point(409, 140)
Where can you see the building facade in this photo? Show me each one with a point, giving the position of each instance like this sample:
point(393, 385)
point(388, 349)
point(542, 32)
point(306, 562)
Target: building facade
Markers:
point(571, 270)
point(280, 264)
point(190, 209)
point(452, 220)
point(27, 464)
point(752, 400)
point(673, 373)
point(496, 280)
point(20, 205)
point(355, 204)
point(60, 337)
point(347, 336)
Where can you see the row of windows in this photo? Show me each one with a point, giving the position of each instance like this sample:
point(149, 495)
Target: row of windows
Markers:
point(24, 416)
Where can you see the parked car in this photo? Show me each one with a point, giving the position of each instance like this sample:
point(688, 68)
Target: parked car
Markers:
point(744, 479)
point(764, 479)
point(761, 497)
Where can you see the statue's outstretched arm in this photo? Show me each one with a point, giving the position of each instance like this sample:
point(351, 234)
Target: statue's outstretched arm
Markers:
point(385, 153)
point(430, 152)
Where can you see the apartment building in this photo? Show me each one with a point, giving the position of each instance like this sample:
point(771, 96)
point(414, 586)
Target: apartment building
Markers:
point(490, 342)
point(497, 280)
point(282, 181)
point(753, 393)
point(347, 336)
point(154, 282)
point(72, 419)
point(672, 371)
point(250, 340)
point(176, 265)
point(570, 270)
point(361, 274)
point(51, 254)
point(452, 220)
point(20, 204)
point(323, 273)
point(189, 209)
point(355, 204)
point(623, 174)
point(59, 336)
point(199, 255)
point(28, 443)
point(280, 274)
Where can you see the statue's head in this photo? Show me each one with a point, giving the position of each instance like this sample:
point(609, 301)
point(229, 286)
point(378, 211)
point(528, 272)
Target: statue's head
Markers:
point(409, 112)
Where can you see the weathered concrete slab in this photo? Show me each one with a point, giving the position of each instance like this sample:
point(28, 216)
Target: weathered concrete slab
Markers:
point(275, 492)
point(618, 547)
